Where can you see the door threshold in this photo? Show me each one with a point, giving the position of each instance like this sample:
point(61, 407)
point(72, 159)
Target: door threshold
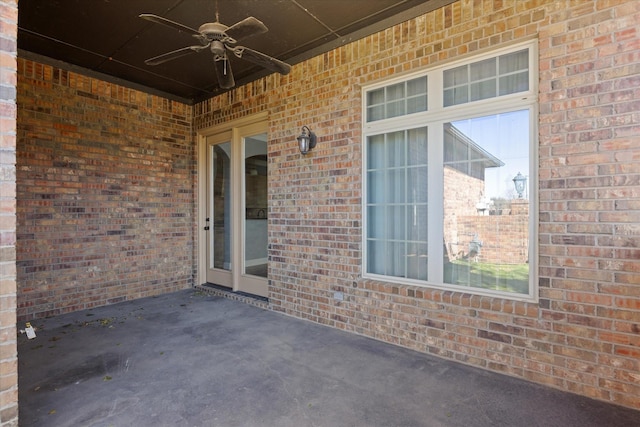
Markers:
point(225, 292)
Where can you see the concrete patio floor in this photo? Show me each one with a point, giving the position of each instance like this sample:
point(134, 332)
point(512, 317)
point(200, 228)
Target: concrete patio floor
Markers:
point(194, 359)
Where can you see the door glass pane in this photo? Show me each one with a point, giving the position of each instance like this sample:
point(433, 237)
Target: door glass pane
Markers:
point(255, 226)
point(221, 221)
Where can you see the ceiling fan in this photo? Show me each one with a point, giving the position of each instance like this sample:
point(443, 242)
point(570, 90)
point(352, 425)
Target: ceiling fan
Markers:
point(220, 40)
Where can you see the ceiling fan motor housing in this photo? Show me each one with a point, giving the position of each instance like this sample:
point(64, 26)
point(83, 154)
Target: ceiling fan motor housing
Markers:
point(215, 31)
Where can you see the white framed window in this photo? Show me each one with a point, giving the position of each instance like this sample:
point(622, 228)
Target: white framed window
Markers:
point(443, 151)
point(487, 78)
point(406, 97)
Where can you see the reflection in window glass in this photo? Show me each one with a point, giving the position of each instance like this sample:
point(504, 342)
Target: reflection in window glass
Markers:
point(485, 220)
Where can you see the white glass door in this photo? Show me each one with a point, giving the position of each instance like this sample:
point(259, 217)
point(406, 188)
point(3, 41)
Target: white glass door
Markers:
point(219, 210)
point(253, 215)
point(237, 214)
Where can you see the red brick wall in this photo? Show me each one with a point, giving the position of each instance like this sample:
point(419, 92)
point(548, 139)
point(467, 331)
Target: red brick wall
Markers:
point(590, 198)
point(505, 238)
point(8, 342)
point(584, 333)
point(462, 193)
point(105, 193)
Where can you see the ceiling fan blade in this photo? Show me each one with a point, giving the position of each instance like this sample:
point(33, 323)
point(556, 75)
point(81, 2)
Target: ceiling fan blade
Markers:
point(223, 71)
point(157, 60)
point(246, 28)
point(169, 23)
point(261, 59)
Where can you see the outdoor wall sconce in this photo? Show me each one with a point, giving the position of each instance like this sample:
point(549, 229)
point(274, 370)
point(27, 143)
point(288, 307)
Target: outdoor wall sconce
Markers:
point(306, 140)
point(519, 181)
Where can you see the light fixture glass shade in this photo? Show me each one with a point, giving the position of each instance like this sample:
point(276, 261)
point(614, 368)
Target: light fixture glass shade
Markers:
point(306, 140)
point(303, 143)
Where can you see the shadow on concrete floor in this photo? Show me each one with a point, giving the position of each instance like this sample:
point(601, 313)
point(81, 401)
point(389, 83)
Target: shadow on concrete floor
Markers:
point(193, 359)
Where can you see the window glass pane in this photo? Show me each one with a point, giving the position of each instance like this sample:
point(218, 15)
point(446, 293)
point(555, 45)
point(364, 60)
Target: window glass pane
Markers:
point(456, 96)
point(397, 100)
point(376, 222)
point(516, 61)
point(375, 152)
point(482, 90)
point(377, 256)
point(417, 185)
point(375, 97)
point(483, 70)
point(396, 149)
point(461, 95)
point(397, 259)
point(397, 202)
point(375, 113)
point(395, 92)
point(514, 72)
point(486, 220)
point(396, 223)
point(395, 187)
point(417, 146)
point(395, 109)
point(375, 181)
point(511, 70)
point(416, 104)
point(417, 223)
point(448, 97)
point(417, 86)
point(514, 83)
point(455, 76)
point(417, 261)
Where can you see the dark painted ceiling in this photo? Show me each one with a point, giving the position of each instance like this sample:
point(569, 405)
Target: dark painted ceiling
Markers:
point(106, 38)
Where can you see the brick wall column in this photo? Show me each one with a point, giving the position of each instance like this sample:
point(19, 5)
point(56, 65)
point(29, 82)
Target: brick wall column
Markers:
point(8, 343)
